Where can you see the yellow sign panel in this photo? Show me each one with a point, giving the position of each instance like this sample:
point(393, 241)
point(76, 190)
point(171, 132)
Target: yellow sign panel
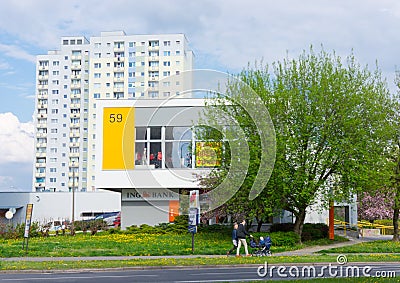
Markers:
point(118, 138)
point(208, 154)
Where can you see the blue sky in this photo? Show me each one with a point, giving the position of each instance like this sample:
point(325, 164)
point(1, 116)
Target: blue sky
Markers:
point(224, 35)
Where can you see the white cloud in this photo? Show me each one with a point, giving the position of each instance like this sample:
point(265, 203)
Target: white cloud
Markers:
point(4, 66)
point(16, 140)
point(16, 52)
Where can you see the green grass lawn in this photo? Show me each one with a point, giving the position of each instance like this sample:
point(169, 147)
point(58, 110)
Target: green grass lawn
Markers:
point(368, 247)
point(120, 244)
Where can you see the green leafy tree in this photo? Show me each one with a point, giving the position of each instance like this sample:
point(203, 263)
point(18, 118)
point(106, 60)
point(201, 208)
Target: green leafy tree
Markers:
point(332, 122)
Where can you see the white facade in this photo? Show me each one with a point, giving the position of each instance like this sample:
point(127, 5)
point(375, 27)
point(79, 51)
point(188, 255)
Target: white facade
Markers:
point(70, 80)
point(50, 206)
point(154, 166)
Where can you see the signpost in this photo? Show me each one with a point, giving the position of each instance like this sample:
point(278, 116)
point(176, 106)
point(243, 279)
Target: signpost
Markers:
point(28, 220)
point(194, 213)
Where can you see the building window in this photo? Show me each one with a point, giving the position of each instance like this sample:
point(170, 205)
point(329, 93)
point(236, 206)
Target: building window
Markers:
point(167, 53)
point(97, 75)
point(167, 43)
point(65, 57)
point(167, 63)
point(177, 52)
point(65, 42)
point(97, 65)
point(96, 95)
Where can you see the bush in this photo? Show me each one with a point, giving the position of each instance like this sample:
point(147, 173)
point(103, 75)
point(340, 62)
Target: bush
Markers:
point(280, 239)
point(216, 228)
point(9, 231)
point(314, 231)
point(282, 227)
point(311, 231)
point(386, 222)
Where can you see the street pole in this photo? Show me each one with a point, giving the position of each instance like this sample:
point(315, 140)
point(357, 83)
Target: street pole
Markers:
point(73, 200)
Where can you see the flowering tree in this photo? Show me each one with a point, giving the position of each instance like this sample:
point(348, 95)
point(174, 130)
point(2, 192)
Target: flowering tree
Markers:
point(376, 206)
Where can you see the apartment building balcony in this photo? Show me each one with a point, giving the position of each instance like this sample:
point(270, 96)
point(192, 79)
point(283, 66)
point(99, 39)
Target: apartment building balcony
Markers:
point(43, 68)
point(152, 88)
point(118, 79)
point(75, 106)
point(75, 125)
point(76, 86)
point(119, 49)
point(41, 145)
point(43, 96)
point(118, 89)
point(154, 48)
point(43, 78)
point(119, 59)
point(76, 115)
point(118, 69)
point(40, 154)
point(41, 135)
point(73, 164)
point(76, 95)
point(76, 57)
point(42, 87)
point(74, 144)
point(42, 106)
point(40, 175)
point(76, 67)
point(42, 115)
point(74, 154)
point(154, 68)
point(77, 77)
point(39, 165)
point(39, 185)
point(154, 58)
point(74, 135)
point(41, 125)
point(155, 78)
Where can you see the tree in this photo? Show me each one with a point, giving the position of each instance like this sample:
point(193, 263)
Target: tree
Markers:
point(394, 163)
point(331, 123)
point(376, 206)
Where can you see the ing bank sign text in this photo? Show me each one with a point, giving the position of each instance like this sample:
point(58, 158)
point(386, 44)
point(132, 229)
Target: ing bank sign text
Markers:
point(149, 194)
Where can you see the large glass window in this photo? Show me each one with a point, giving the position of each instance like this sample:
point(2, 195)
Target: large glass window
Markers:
point(163, 147)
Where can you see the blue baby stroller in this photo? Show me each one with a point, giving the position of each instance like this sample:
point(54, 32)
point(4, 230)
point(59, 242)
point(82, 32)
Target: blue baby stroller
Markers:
point(262, 248)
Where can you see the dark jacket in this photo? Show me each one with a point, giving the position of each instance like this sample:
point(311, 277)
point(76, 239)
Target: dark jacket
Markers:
point(234, 234)
point(241, 232)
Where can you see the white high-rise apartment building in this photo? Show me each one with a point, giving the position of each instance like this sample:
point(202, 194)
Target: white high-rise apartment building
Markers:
point(111, 66)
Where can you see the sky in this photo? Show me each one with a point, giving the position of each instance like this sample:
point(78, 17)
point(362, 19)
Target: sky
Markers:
point(225, 35)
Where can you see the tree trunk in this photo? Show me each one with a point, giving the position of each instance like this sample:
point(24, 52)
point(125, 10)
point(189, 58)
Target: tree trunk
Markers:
point(298, 224)
point(396, 223)
point(259, 224)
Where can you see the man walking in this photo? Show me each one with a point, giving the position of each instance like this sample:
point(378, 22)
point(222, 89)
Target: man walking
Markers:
point(241, 234)
point(234, 238)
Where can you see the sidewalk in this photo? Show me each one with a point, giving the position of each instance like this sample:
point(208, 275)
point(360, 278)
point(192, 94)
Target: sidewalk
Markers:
point(301, 252)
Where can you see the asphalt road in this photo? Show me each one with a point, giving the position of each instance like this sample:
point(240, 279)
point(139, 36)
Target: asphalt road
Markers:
point(223, 274)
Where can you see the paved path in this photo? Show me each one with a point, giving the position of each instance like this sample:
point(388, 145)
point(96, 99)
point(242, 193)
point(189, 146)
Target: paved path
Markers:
point(305, 251)
point(314, 249)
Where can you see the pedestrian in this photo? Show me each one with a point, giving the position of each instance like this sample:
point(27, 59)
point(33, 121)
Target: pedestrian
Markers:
point(241, 234)
point(234, 238)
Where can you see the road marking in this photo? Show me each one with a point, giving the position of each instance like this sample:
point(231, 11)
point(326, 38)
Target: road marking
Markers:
point(78, 277)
